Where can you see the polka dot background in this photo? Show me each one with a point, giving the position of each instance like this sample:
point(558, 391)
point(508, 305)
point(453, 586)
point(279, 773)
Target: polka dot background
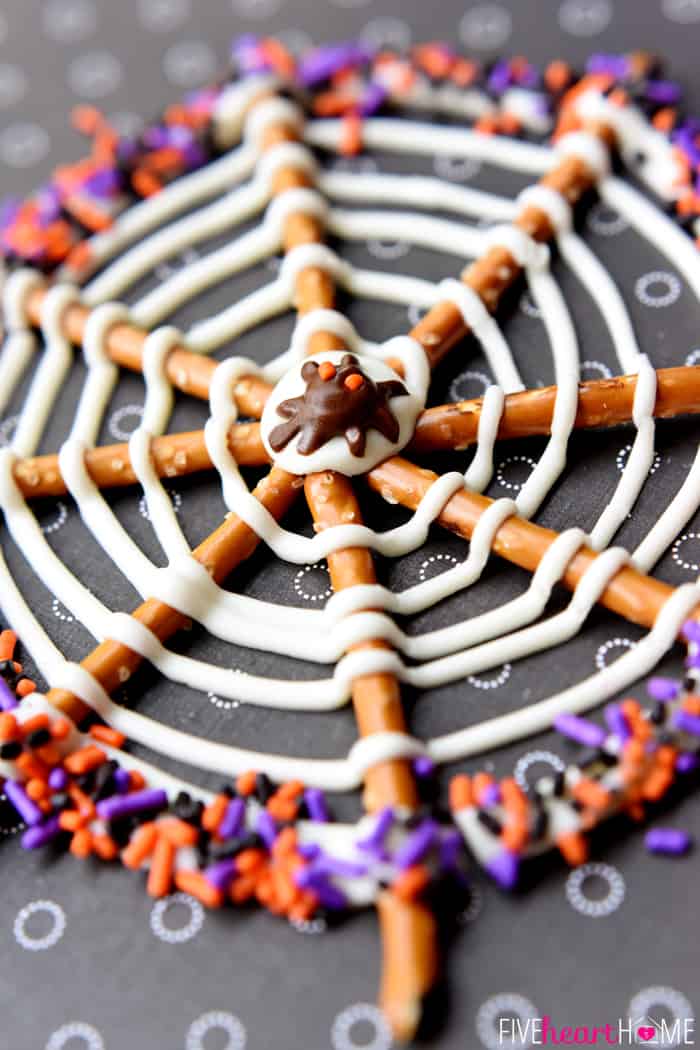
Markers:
point(85, 949)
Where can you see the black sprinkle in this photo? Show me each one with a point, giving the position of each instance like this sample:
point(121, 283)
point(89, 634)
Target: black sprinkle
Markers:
point(657, 715)
point(490, 822)
point(39, 738)
point(263, 787)
point(539, 827)
point(558, 781)
point(187, 808)
point(11, 749)
point(61, 800)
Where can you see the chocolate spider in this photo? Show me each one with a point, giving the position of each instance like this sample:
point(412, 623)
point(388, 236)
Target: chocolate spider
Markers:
point(338, 400)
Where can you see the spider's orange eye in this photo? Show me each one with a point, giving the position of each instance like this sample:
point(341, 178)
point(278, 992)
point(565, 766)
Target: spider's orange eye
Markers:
point(326, 370)
point(354, 381)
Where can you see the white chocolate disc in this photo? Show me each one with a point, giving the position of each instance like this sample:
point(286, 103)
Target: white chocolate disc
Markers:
point(335, 454)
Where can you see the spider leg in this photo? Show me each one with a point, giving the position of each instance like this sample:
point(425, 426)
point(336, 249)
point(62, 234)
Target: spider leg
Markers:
point(356, 439)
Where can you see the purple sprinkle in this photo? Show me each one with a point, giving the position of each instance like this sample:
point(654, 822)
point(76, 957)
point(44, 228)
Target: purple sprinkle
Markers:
point(417, 845)
point(155, 137)
point(58, 778)
point(616, 722)
point(49, 201)
point(122, 780)
point(232, 820)
point(665, 92)
point(266, 828)
point(491, 795)
point(579, 729)
point(103, 183)
point(9, 211)
point(331, 897)
point(323, 62)
point(309, 850)
point(40, 834)
point(221, 874)
point(384, 822)
point(373, 99)
point(503, 869)
point(327, 865)
point(8, 700)
point(668, 841)
point(691, 631)
point(137, 802)
point(194, 155)
point(687, 762)
point(687, 723)
point(616, 65)
point(423, 766)
point(450, 849)
point(28, 810)
point(499, 77)
point(663, 688)
point(316, 805)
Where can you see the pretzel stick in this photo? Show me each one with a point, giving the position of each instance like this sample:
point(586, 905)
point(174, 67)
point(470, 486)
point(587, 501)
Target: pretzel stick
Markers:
point(631, 594)
point(601, 403)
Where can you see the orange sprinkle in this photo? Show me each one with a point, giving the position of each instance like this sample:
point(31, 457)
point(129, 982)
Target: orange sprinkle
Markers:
point(8, 641)
point(250, 860)
point(214, 813)
point(461, 795)
point(60, 728)
point(573, 848)
point(49, 754)
point(354, 381)
point(351, 135)
point(36, 722)
point(161, 871)
point(31, 766)
point(87, 213)
point(82, 801)
point(37, 789)
point(71, 820)
point(513, 796)
point(515, 834)
point(80, 256)
point(285, 843)
point(281, 809)
point(141, 845)
point(304, 907)
point(666, 756)
point(591, 794)
point(197, 886)
point(510, 124)
point(291, 789)
point(81, 843)
point(179, 832)
point(86, 119)
point(326, 370)
point(464, 72)
point(242, 888)
point(145, 183)
point(411, 882)
point(664, 119)
point(105, 847)
point(25, 686)
point(9, 730)
point(245, 783)
point(557, 75)
point(136, 780)
point(84, 760)
point(107, 735)
point(657, 784)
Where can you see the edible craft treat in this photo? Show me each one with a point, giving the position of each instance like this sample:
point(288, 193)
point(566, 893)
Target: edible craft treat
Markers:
point(333, 407)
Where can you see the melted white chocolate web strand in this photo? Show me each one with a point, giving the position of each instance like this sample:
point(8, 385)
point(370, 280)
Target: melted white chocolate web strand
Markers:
point(447, 654)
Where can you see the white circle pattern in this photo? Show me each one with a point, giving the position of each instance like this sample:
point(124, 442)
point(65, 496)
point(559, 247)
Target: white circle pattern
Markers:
point(387, 32)
point(23, 145)
point(685, 562)
point(505, 1004)
point(604, 221)
point(189, 63)
point(485, 27)
point(621, 459)
point(115, 421)
point(584, 17)
point(211, 1021)
point(13, 84)
point(658, 300)
point(456, 169)
point(693, 357)
point(7, 429)
point(532, 758)
point(60, 612)
point(68, 1033)
point(162, 16)
point(528, 306)
point(457, 391)
point(95, 75)
point(591, 907)
point(182, 933)
point(422, 573)
point(341, 1032)
point(670, 999)
point(598, 368)
point(388, 249)
point(69, 21)
point(682, 11)
point(479, 682)
point(221, 704)
point(47, 940)
point(59, 520)
point(175, 499)
point(602, 651)
point(300, 581)
point(475, 907)
point(512, 486)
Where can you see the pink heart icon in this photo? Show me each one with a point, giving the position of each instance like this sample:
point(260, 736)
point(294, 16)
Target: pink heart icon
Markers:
point(646, 1032)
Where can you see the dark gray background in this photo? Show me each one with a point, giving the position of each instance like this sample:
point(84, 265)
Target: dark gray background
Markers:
point(109, 970)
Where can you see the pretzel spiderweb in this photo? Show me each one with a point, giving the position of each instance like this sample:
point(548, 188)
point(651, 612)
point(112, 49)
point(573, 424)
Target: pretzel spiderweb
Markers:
point(269, 192)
